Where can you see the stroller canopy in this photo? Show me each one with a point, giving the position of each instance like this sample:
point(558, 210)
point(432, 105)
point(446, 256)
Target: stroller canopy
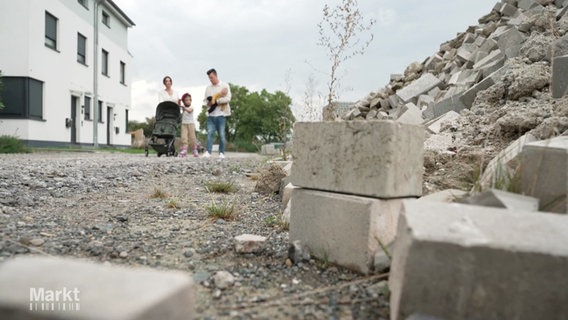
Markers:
point(167, 110)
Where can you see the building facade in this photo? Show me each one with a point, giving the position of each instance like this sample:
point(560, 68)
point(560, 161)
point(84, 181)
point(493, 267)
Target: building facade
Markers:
point(65, 72)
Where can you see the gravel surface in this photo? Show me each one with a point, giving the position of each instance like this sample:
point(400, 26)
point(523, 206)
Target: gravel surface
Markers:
point(103, 207)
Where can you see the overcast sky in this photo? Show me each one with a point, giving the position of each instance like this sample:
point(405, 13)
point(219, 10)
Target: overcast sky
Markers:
point(272, 44)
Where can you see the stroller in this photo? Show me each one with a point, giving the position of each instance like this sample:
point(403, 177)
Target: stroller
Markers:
point(164, 132)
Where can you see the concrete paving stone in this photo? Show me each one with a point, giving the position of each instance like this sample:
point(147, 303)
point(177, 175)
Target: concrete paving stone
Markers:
point(412, 115)
point(343, 229)
point(435, 125)
point(510, 42)
point(469, 96)
point(493, 56)
point(559, 76)
point(417, 87)
point(502, 199)
point(544, 173)
point(504, 163)
point(457, 261)
point(91, 290)
point(382, 159)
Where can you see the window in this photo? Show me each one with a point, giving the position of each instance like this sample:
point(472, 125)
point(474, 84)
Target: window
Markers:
point(81, 49)
point(100, 112)
point(22, 98)
point(122, 72)
point(84, 3)
point(106, 19)
point(87, 108)
point(50, 31)
point(104, 67)
point(126, 122)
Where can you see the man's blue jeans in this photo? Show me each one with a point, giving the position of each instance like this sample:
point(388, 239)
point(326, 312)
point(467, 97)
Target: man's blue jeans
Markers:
point(216, 124)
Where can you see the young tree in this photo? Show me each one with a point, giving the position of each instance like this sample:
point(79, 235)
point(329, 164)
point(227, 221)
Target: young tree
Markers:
point(339, 33)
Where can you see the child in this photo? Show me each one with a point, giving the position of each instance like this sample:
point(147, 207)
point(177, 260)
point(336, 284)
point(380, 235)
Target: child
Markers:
point(214, 98)
point(187, 127)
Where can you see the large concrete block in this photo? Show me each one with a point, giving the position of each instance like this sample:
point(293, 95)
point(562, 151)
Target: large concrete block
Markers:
point(458, 261)
point(469, 96)
point(341, 228)
point(501, 168)
point(544, 173)
point(419, 86)
point(381, 159)
point(510, 42)
point(452, 103)
point(30, 285)
point(559, 76)
point(412, 115)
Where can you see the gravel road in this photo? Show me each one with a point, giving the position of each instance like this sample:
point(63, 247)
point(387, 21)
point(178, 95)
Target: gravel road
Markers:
point(102, 207)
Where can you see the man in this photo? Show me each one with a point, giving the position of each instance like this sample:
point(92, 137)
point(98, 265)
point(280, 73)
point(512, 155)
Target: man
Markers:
point(217, 97)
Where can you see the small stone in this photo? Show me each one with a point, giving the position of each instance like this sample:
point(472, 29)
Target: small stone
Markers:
point(188, 253)
point(289, 263)
point(223, 279)
point(123, 254)
point(217, 294)
point(37, 242)
point(249, 243)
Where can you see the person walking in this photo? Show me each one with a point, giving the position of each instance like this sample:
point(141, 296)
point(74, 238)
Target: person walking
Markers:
point(168, 94)
point(217, 98)
point(187, 127)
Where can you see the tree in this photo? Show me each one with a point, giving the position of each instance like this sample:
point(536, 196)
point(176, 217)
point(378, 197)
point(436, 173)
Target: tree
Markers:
point(339, 33)
point(256, 116)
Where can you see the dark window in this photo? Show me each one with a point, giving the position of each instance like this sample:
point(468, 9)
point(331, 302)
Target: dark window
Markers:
point(81, 49)
point(104, 67)
point(84, 3)
point(100, 111)
point(106, 19)
point(22, 98)
point(126, 122)
point(122, 72)
point(87, 108)
point(50, 31)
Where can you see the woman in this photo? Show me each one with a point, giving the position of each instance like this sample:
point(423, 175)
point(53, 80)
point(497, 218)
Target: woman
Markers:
point(168, 94)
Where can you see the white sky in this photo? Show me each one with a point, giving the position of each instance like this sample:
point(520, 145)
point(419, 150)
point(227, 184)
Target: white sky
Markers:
point(260, 44)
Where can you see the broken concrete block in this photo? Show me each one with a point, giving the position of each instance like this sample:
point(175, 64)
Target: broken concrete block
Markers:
point(419, 86)
point(502, 167)
point(452, 103)
point(30, 285)
point(488, 45)
point(544, 173)
point(503, 199)
point(494, 55)
point(508, 10)
point(457, 261)
point(249, 243)
point(526, 4)
point(343, 229)
point(424, 100)
point(436, 124)
point(489, 68)
point(412, 115)
point(510, 42)
point(286, 194)
point(559, 76)
point(448, 195)
point(381, 159)
point(469, 96)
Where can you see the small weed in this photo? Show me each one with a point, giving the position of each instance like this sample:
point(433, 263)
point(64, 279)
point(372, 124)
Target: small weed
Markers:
point(158, 193)
point(272, 221)
point(223, 211)
point(221, 187)
point(11, 144)
point(325, 260)
point(172, 203)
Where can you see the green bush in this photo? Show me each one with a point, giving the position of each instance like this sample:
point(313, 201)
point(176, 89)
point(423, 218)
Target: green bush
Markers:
point(11, 144)
point(242, 146)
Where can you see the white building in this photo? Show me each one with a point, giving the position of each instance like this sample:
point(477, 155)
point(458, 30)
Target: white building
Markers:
point(65, 72)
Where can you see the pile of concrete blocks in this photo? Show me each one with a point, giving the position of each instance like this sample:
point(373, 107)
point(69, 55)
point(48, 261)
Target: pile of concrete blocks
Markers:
point(350, 179)
point(34, 287)
point(457, 261)
point(475, 60)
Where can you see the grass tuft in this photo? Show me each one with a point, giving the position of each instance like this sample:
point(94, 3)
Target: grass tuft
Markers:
point(223, 211)
point(221, 187)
